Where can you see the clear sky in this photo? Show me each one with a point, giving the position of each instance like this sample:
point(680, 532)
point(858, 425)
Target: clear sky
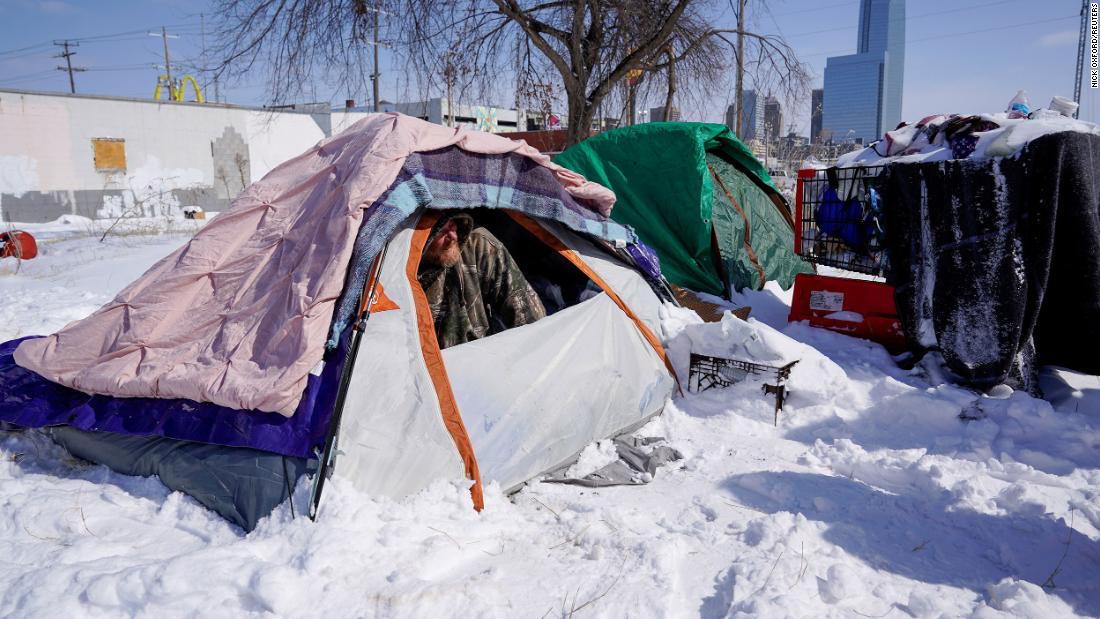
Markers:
point(961, 55)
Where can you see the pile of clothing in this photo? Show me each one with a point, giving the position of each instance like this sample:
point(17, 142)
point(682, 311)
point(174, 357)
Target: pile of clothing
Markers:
point(953, 131)
point(943, 137)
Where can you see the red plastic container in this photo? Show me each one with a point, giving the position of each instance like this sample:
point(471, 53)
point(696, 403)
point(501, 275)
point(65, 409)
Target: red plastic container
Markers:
point(857, 307)
point(17, 244)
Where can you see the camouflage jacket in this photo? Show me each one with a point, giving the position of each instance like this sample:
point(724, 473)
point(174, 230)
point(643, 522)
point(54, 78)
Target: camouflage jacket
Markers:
point(485, 293)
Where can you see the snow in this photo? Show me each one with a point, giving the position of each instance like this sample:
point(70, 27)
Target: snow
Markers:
point(594, 457)
point(1011, 135)
point(846, 316)
point(869, 498)
point(74, 273)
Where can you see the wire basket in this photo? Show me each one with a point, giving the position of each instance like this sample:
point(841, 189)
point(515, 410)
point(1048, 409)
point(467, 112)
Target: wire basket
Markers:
point(839, 214)
point(706, 372)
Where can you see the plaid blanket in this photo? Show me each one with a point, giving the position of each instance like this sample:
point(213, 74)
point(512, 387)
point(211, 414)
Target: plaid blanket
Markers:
point(451, 178)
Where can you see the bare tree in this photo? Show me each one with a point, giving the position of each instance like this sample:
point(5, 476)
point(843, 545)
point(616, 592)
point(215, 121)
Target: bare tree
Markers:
point(299, 42)
point(581, 50)
point(587, 47)
point(767, 60)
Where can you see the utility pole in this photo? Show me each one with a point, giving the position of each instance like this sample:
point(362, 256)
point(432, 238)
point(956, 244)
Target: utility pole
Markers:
point(448, 74)
point(767, 143)
point(167, 61)
point(739, 89)
point(1081, 43)
point(202, 29)
point(375, 75)
point(68, 56)
point(630, 104)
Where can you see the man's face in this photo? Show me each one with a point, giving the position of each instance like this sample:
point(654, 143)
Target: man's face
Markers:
point(444, 251)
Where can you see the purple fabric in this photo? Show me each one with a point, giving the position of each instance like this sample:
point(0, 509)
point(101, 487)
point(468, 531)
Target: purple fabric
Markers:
point(30, 401)
point(646, 259)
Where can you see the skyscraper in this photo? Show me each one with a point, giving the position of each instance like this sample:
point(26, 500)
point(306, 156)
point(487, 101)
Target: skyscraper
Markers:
point(863, 90)
point(817, 96)
point(752, 119)
point(773, 118)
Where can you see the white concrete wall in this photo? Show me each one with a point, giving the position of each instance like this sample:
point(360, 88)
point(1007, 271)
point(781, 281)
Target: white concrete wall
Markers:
point(474, 117)
point(342, 120)
point(47, 166)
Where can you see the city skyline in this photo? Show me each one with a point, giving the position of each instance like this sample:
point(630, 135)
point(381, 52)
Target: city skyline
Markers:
point(752, 121)
point(993, 49)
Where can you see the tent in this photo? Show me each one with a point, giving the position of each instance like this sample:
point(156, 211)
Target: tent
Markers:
point(293, 327)
point(699, 197)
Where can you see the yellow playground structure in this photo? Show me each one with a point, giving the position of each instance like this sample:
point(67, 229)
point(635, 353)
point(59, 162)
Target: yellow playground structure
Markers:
point(176, 93)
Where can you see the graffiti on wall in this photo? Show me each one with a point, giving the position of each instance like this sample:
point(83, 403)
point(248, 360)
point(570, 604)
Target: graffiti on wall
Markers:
point(151, 190)
point(232, 166)
point(486, 118)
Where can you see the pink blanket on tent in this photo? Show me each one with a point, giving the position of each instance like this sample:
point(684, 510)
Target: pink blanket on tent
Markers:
point(239, 315)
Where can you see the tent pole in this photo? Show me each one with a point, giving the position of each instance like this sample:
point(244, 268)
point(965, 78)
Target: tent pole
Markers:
point(327, 456)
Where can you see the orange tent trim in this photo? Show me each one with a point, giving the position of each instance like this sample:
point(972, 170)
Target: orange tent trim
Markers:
point(433, 359)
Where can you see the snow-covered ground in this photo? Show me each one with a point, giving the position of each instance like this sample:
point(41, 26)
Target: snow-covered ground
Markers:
point(871, 498)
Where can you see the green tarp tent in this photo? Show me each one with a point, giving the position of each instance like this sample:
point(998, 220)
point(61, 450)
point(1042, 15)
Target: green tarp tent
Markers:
point(698, 196)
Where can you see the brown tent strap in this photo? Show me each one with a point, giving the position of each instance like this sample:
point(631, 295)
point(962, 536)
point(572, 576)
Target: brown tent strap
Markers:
point(748, 227)
point(784, 210)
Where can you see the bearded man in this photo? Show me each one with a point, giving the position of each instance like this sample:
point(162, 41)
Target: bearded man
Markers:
point(473, 284)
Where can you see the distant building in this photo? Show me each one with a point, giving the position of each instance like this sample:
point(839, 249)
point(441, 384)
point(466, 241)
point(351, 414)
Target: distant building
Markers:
point(604, 124)
point(773, 118)
point(817, 96)
point(486, 118)
point(863, 91)
point(657, 114)
point(792, 141)
point(752, 126)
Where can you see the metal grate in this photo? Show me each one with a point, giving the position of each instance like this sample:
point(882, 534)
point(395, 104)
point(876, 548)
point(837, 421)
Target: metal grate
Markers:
point(839, 215)
point(706, 372)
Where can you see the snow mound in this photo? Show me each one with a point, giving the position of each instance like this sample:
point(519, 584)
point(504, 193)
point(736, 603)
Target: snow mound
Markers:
point(871, 498)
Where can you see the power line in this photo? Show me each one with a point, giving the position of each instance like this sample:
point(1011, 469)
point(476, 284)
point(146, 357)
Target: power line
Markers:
point(130, 67)
point(36, 52)
point(133, 32)
point(27, 76)
point(1009, 27)
point(27, 48)
point(909, 17)
point(185, 27)
point(949, 35)
point(817, 8)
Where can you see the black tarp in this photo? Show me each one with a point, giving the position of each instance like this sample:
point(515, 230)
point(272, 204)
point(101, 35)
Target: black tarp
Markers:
point(996, 262)
point(242, 485)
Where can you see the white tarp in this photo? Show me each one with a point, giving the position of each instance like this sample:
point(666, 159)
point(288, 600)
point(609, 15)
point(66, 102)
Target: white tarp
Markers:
point(534, 397)
point(392, 437)
point(531, 398)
